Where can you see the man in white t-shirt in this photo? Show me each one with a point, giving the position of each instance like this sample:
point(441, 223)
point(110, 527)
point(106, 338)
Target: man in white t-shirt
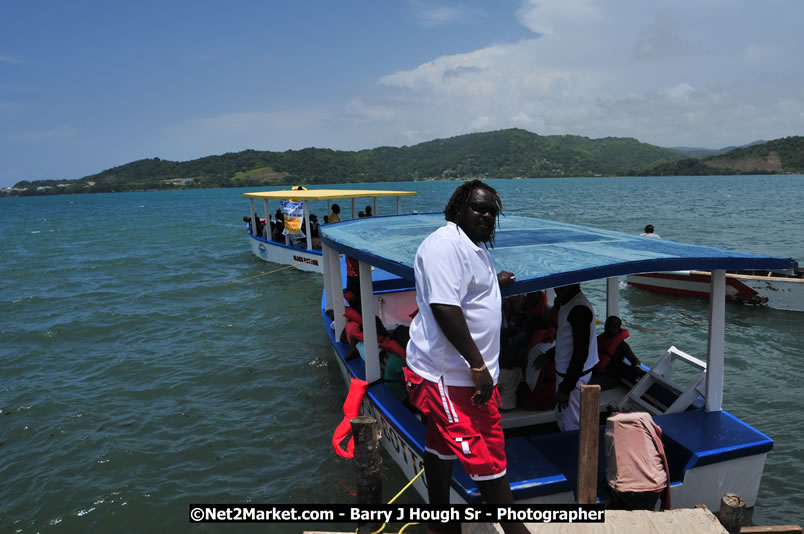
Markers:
point(454, 349)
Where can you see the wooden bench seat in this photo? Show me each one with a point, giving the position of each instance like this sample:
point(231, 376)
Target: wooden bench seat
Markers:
point(518, 417)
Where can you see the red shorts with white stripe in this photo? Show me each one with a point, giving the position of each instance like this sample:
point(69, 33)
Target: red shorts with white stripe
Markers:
point(456, 428)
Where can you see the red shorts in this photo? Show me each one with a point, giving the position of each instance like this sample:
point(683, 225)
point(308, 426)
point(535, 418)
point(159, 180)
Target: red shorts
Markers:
point(456, 428)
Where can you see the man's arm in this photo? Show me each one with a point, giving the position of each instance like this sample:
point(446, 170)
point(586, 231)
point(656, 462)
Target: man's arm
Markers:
point(452, 322)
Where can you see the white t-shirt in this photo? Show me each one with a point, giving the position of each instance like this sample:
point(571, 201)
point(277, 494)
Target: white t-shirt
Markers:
point(564, 344)
point(451, 269)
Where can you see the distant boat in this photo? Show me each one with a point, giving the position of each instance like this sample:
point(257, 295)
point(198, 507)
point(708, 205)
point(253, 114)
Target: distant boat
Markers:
point(710, 451)
point(781, 291)
point(305, 258)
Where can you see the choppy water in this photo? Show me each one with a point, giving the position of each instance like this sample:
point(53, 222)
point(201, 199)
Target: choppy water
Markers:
point(148, 361)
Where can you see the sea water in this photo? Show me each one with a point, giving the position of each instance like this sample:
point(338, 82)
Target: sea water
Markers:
point(149, 360)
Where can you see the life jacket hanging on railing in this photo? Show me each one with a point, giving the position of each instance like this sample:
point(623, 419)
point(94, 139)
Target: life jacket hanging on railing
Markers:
point(293, 214)
point(351, 409)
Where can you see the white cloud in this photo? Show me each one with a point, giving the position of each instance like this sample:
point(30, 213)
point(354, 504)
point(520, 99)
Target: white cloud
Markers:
point(61, 132)
point(12, 60)
point(438, 15)
point(671, 77)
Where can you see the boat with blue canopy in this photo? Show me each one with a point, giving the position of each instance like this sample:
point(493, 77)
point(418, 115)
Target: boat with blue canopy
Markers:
point(709, 450)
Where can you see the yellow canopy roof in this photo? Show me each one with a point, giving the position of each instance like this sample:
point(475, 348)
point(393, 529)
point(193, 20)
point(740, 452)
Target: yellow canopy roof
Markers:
point(327, 194)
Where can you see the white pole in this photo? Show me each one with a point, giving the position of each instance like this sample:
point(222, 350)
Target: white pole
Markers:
point(329, 207)
point(399, 205)
point(612, 296)
point(251, 214)
point(375, 207)
point(307, 225)
point(354, 213)
point(327, 278)
point(267, 219)
point(715, 360)
point(336, 289)
point(369, 324)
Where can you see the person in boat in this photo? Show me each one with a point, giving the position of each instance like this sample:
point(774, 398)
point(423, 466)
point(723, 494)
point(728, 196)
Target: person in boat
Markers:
point(260, 224)
point(361, 214)
point(335, 215)
point(315, 227)
point(454, 350)
point(649, 232)
point(612, 351)
point(279, 227)
point(368, 211)
point(575, 353)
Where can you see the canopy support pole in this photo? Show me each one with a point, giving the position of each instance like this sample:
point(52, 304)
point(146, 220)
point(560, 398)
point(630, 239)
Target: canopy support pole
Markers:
point(375, 207)
point(715, 360)
point(251, 215)
point(613, 296)
point(267, 219)
point(354, 208)
point(307, 225)
point(399, 205)
point(369, 324)
point(335, 290)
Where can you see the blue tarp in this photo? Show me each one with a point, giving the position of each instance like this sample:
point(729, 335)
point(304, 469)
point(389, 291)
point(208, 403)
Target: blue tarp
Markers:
point(541, 253)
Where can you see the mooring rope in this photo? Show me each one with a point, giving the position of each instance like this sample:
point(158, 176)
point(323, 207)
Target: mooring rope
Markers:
point(395, 497)
point(265, 274)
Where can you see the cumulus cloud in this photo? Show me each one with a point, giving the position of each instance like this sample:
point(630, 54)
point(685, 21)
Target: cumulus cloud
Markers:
point(668, 77)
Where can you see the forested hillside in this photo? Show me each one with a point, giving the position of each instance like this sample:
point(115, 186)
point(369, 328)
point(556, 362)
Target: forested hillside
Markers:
point(502, 154)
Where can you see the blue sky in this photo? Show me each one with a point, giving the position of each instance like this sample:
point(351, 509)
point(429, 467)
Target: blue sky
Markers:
point(88, 85)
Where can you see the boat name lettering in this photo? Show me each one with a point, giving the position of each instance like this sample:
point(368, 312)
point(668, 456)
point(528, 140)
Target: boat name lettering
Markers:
point(302, 259)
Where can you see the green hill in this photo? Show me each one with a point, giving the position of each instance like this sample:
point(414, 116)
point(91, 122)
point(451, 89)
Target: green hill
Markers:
point(501, 154)
point(780, 156)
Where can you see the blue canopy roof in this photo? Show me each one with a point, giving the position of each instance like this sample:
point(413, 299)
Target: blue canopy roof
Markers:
point(540, 253)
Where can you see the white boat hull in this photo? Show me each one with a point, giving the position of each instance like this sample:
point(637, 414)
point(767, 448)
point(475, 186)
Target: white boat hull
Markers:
point(775, 292)
point(304, 260)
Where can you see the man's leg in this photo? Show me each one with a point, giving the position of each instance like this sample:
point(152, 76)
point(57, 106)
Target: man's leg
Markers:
point(498, 491)
point(439, 481)
point(439, 478)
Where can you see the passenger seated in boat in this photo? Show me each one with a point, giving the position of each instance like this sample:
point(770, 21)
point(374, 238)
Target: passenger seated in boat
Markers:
point(612, 351)
point(335, 215)
point(260, 225)
point(279, 227)
point(392, 362)
point(315, 236)
point(537, 392)
point(368, 211)
point(529, 332)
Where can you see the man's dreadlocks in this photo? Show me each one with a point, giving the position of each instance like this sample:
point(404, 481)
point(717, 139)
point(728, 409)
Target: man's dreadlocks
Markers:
point(460, 201)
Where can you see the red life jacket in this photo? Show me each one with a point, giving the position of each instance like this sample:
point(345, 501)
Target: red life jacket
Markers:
point(352, 267)
point(543, 396)
point(607, 346)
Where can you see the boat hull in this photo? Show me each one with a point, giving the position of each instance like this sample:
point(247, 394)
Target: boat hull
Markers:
point(780, 293)
point(541, 467)
point(301, 259)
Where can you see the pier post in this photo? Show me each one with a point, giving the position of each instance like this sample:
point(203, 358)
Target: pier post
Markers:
point(732, 507)
point(588, 442)
point(368, 462)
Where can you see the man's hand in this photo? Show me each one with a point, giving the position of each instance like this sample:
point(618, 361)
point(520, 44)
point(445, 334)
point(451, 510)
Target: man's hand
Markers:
point(505, 278)
point(484, 386)
point(562, 400)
